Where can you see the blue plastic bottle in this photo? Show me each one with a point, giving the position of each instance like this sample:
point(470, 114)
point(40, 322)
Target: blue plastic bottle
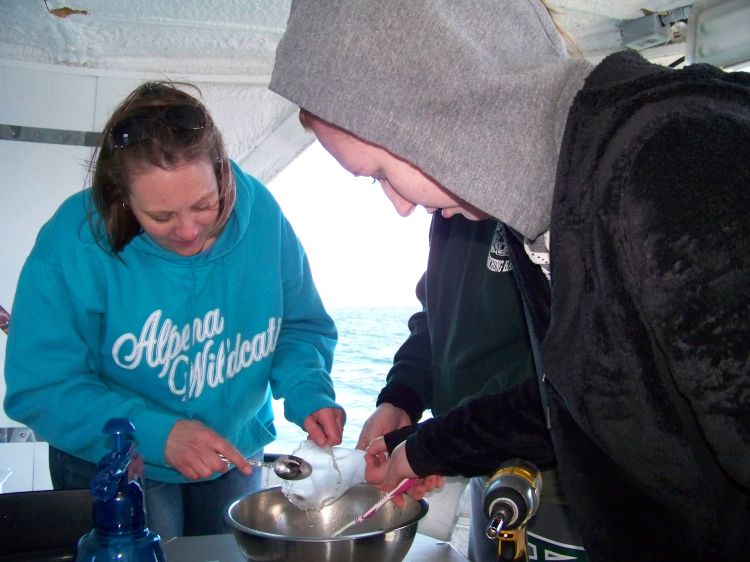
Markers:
point(120, 533)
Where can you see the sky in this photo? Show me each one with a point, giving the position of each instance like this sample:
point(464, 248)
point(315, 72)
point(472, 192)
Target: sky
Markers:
point(362, 253)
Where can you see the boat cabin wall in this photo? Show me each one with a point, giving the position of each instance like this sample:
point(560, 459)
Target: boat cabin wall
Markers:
point(45, 112)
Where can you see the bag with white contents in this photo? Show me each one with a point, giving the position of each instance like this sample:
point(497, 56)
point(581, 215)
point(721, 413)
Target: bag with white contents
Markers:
point(334, 471)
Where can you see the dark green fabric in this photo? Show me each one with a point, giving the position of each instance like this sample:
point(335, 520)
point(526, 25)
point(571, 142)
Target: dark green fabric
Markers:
point(470, 338)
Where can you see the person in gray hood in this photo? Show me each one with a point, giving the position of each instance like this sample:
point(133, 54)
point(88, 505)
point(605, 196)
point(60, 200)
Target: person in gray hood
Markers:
point(624, 188)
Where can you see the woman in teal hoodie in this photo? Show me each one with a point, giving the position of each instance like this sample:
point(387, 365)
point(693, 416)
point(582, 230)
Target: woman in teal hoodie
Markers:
point(174, 293)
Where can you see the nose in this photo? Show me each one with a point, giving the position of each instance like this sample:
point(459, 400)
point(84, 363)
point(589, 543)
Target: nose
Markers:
point(403, 206)
point(187, 229)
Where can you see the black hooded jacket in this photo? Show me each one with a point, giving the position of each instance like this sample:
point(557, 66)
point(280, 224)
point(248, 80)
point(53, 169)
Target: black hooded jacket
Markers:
point(645, 339)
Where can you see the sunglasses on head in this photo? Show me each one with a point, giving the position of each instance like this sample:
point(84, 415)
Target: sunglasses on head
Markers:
point(138, 128)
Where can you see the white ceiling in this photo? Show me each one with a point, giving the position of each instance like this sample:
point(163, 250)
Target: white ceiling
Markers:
point(595, 25)
point(228, 47)
point(215, 37)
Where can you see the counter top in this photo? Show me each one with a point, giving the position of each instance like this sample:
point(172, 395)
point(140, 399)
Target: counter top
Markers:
point(223, 548)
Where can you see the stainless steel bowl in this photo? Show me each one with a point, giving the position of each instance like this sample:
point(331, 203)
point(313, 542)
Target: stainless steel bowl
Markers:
point(268, 527)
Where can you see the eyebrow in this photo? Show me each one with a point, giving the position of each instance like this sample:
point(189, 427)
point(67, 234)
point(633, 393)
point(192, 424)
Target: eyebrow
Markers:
point(205, 199)
point(201, 201)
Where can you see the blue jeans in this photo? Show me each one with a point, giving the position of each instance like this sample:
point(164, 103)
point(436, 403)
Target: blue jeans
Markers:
point(173, 510)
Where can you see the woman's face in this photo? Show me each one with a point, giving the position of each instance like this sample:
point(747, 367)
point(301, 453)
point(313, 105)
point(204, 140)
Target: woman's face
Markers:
point(177, 208)
point(405, 185)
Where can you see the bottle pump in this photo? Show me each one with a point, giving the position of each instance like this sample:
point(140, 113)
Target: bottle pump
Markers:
point(511, 498)
point(120, 533)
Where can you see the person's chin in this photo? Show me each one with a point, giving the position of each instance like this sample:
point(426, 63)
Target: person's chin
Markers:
point(470, 214)
point(183, 249)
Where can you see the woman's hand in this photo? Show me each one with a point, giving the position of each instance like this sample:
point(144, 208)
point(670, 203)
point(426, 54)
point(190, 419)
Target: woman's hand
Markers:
point(196, 451)
point(387, 472)
point(384, 419)
point(325, 426)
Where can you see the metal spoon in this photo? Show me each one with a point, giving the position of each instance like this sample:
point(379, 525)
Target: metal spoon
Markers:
point(286, 467)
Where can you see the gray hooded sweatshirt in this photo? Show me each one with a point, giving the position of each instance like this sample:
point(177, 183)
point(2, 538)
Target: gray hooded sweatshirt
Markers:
point(475, 94)
point(645, 353)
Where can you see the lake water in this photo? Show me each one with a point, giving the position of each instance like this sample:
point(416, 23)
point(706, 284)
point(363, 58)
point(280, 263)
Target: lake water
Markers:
point(368, 339)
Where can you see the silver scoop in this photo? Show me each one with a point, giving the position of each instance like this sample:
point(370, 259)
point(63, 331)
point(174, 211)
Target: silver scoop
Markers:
point(286, 467)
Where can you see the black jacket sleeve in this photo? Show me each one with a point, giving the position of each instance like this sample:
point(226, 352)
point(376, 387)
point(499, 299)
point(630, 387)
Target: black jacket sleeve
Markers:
point(409, 382)
point(475, 438)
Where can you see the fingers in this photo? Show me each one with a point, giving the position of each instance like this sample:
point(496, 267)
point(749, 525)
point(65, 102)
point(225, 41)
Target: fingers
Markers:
point(387, 472)
point(363, 441)
point(199, 468)
point(384, 419)
point(376, 460)
point(425, 485)
point(194, 450)
point(376, 469)
point(338, 426)
point(379, 466)
point(232, 457)
point(206, 466)
point(377, 446)
point(372, 429)
point(398, 468)
point(314, 431)
point(399, 500)
point(325, 426)
point(434, 481)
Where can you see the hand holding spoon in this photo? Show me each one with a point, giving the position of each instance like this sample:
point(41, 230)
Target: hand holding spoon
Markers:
point(286, 467)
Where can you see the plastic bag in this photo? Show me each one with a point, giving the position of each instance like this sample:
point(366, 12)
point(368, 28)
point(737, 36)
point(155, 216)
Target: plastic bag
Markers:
point(335, 470)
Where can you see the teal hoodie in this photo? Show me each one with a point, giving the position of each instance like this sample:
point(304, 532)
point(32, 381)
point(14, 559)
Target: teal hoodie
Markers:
point(157, 337)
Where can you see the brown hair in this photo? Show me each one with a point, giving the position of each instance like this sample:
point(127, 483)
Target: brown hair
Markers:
point(113, 167)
